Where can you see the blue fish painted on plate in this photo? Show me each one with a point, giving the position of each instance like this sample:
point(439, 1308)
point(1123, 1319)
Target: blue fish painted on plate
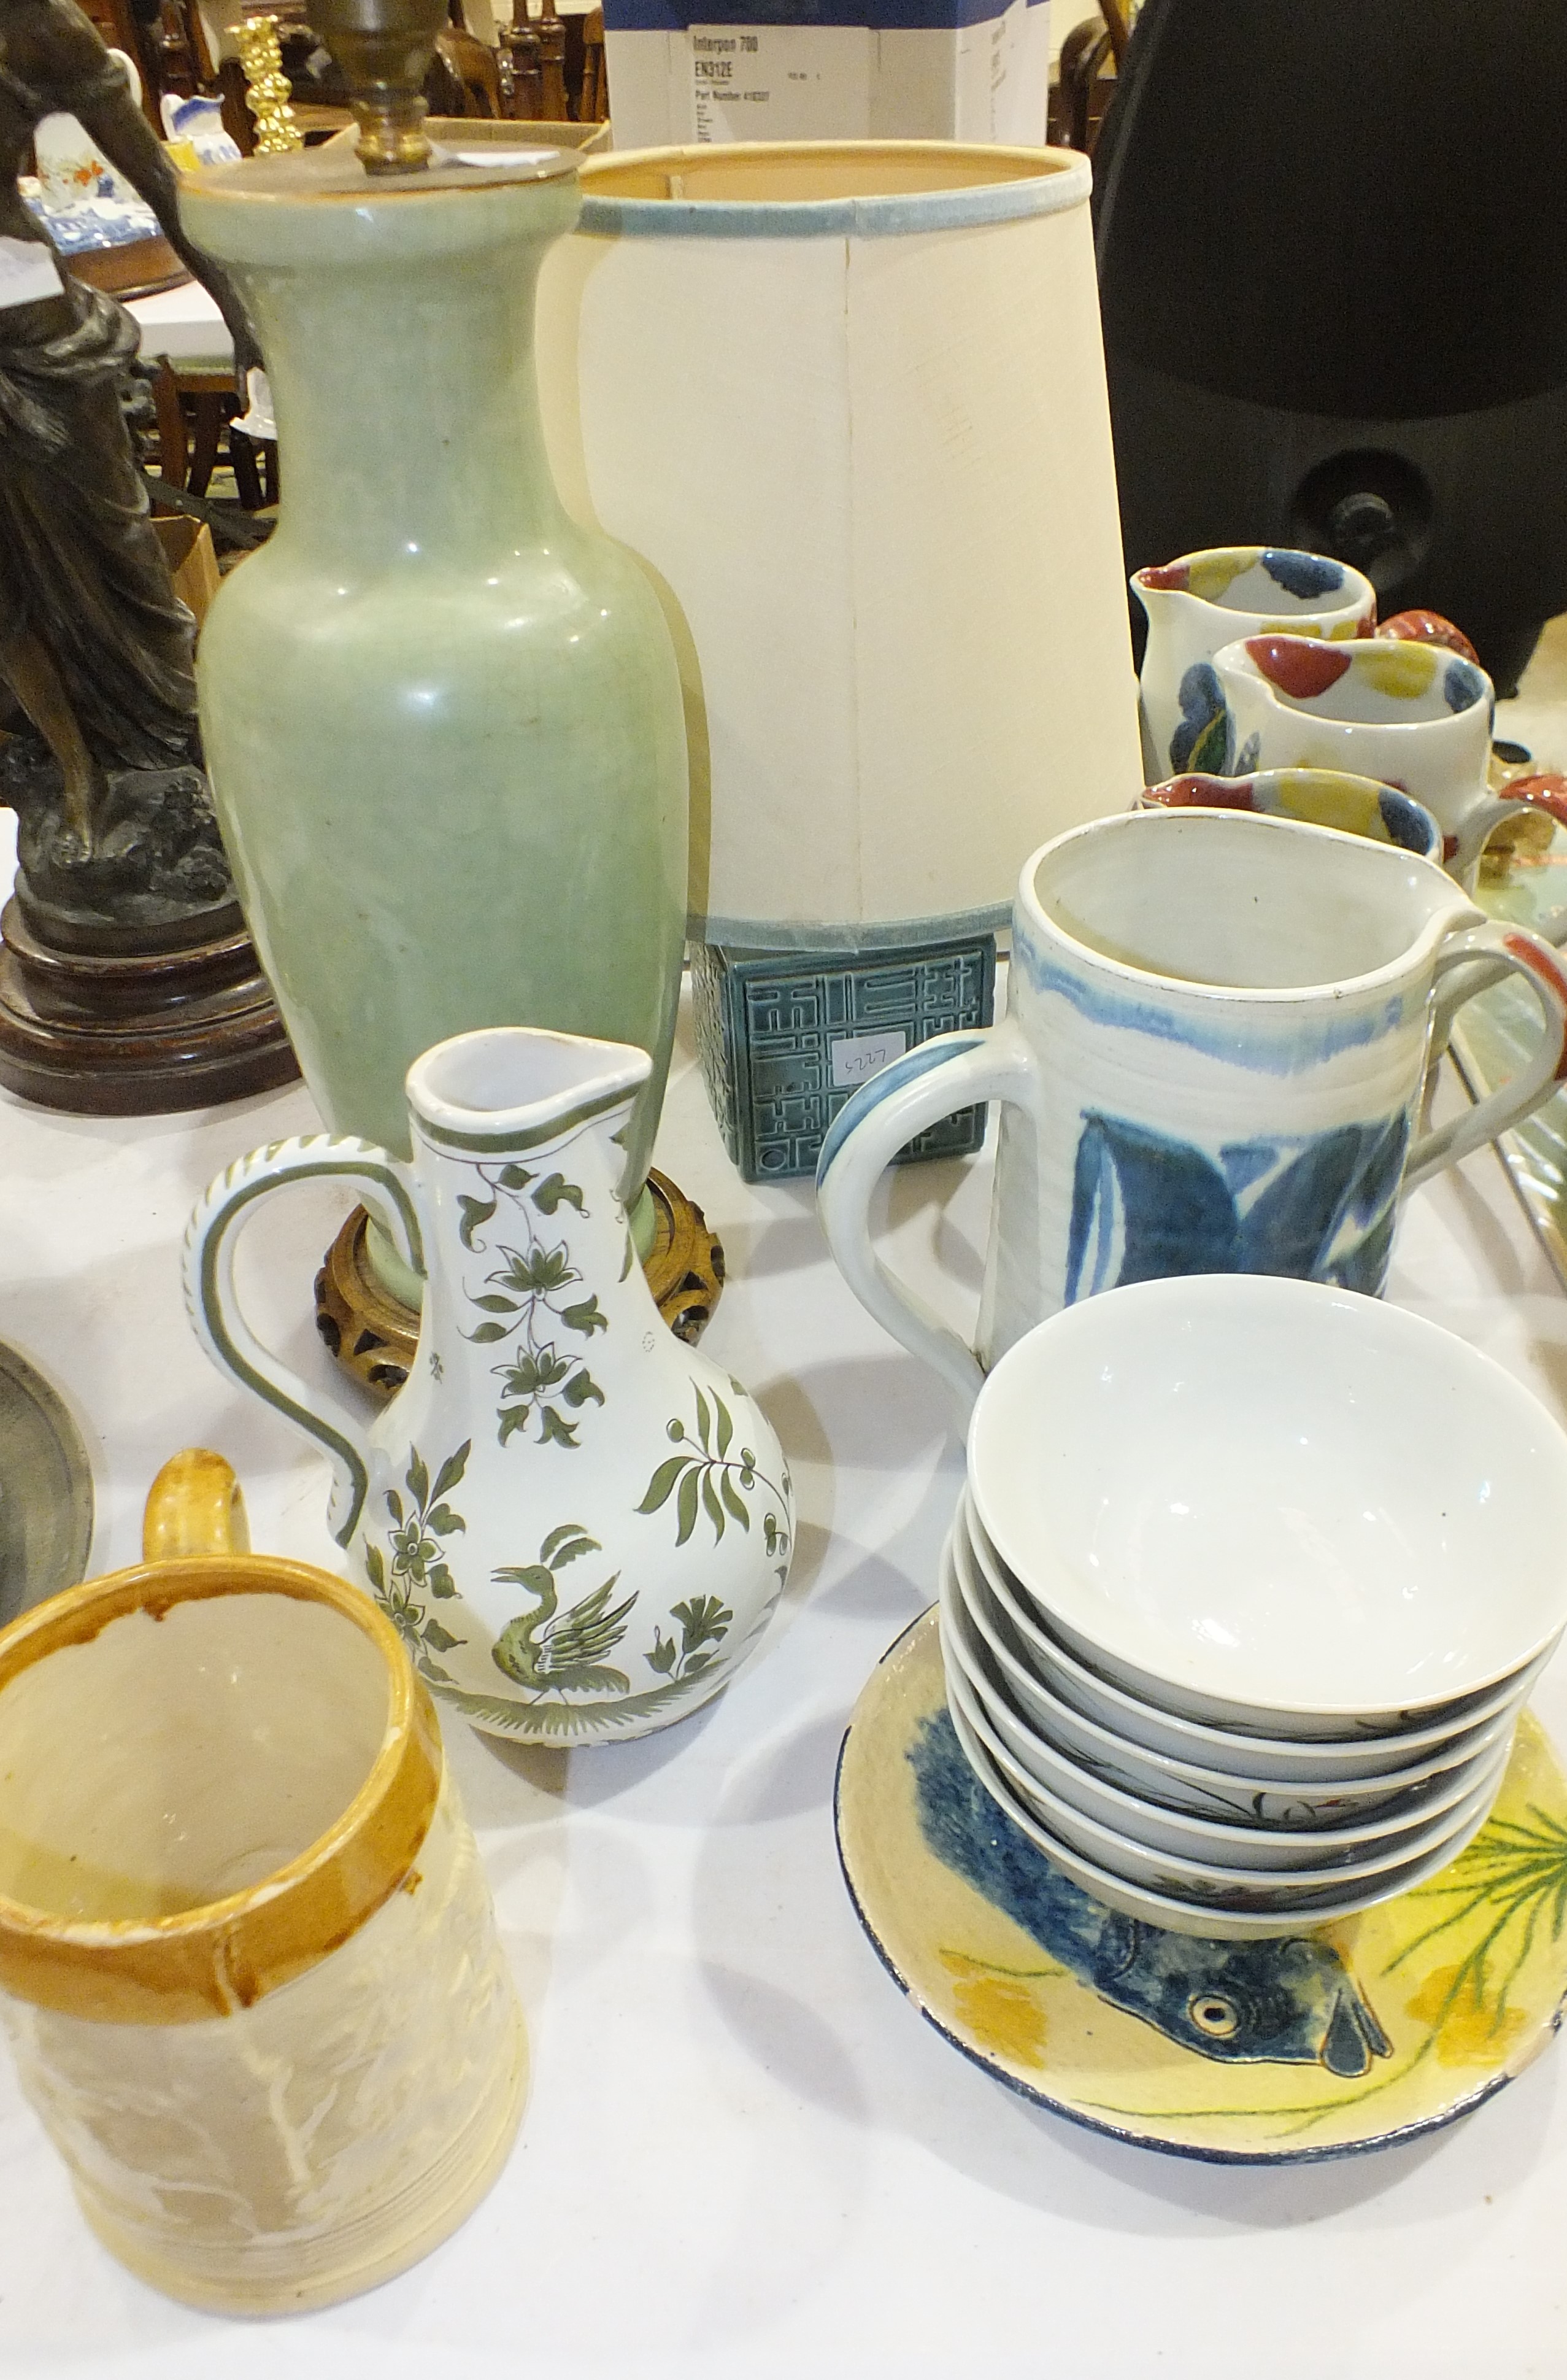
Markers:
point(1291, 2003)
point(1316, 1208)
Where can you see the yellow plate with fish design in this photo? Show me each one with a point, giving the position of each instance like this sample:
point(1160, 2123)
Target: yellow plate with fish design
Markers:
point(1349, 2037)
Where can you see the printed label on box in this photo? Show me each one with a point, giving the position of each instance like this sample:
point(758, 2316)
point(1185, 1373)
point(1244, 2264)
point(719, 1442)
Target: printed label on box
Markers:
point(780, 82)
point(1003, 75)
point(860, 1055)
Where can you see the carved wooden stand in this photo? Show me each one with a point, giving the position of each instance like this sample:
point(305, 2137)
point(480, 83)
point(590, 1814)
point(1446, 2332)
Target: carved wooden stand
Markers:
point(374, 1336)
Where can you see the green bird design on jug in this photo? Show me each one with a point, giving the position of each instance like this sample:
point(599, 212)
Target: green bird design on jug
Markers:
point(552, 1431)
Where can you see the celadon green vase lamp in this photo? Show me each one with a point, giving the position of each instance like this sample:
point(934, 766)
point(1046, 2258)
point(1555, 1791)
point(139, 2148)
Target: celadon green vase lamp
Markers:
point(443, 721)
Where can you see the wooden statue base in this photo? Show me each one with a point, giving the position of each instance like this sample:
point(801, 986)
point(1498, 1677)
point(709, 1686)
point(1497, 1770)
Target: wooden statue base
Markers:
point(151, 1033)
point(374, 1336)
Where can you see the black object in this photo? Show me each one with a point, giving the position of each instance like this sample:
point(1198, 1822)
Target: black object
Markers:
point(1332, 261)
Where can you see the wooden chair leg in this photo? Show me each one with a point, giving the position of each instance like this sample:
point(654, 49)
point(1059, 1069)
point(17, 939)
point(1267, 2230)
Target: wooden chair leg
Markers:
point(204, 444)
point(242, 462)
point(174, 458)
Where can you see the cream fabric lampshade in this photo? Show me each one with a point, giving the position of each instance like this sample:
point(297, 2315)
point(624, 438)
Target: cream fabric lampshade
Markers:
point(847, 401)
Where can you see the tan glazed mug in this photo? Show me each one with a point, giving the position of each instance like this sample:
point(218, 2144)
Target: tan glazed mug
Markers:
point(249, 1963)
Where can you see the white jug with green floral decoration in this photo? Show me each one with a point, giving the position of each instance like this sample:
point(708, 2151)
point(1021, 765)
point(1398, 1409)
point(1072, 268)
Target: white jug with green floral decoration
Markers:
point(578, 1524)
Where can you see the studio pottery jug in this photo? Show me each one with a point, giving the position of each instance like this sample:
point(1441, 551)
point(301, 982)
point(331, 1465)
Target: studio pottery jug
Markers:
point(250, 1969)
point(1203, 601)
point(578, 1524)
point(443, 721)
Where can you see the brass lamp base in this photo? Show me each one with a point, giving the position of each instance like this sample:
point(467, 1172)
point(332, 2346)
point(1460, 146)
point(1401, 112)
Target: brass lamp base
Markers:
point(374, 1336)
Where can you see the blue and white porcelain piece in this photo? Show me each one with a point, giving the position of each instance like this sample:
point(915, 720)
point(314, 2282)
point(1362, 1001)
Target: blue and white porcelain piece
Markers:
point(1217, 1035)
point(87, 224)
point(199, 118)
point(77, 197)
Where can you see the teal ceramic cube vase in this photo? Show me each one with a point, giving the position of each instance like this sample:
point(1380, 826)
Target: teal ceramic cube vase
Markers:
point(786, 1039)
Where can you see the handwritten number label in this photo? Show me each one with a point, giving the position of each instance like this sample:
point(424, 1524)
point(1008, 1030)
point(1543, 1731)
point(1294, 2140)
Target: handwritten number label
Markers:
point(860, 1055)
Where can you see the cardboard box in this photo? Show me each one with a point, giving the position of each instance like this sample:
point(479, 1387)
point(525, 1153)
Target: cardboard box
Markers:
point(858, 70)
point(189, 552)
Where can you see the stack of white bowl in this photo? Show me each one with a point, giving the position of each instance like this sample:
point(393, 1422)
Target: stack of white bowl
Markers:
point(1249, 1585)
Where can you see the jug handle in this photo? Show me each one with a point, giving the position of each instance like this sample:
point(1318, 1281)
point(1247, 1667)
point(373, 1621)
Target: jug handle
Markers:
point(386, 1187)
point(194, 1506)
point(1544, 793)
point(956, 1069)
point(1502, 949)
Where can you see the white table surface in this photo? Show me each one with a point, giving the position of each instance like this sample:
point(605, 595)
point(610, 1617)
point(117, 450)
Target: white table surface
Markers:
point(744, 2155)
point(184, 325)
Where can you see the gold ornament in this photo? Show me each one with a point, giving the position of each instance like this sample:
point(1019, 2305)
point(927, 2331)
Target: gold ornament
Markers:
point(268, 89)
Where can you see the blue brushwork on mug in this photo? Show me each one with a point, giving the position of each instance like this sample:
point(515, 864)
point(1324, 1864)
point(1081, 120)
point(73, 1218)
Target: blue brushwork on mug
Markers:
point(1295, 2001)
point(1217, 1032)
point(1319, 1207)
point(1296, 1044)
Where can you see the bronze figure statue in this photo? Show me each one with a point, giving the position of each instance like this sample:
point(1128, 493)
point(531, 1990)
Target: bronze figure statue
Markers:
point(93, 642)
point(119, 851)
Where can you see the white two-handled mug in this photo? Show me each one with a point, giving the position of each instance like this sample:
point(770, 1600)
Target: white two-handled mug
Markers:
point(1212, 1061)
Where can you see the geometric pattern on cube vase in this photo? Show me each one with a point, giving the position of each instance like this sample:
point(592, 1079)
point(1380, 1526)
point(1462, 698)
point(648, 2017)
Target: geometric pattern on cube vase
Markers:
point(786, 1038)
